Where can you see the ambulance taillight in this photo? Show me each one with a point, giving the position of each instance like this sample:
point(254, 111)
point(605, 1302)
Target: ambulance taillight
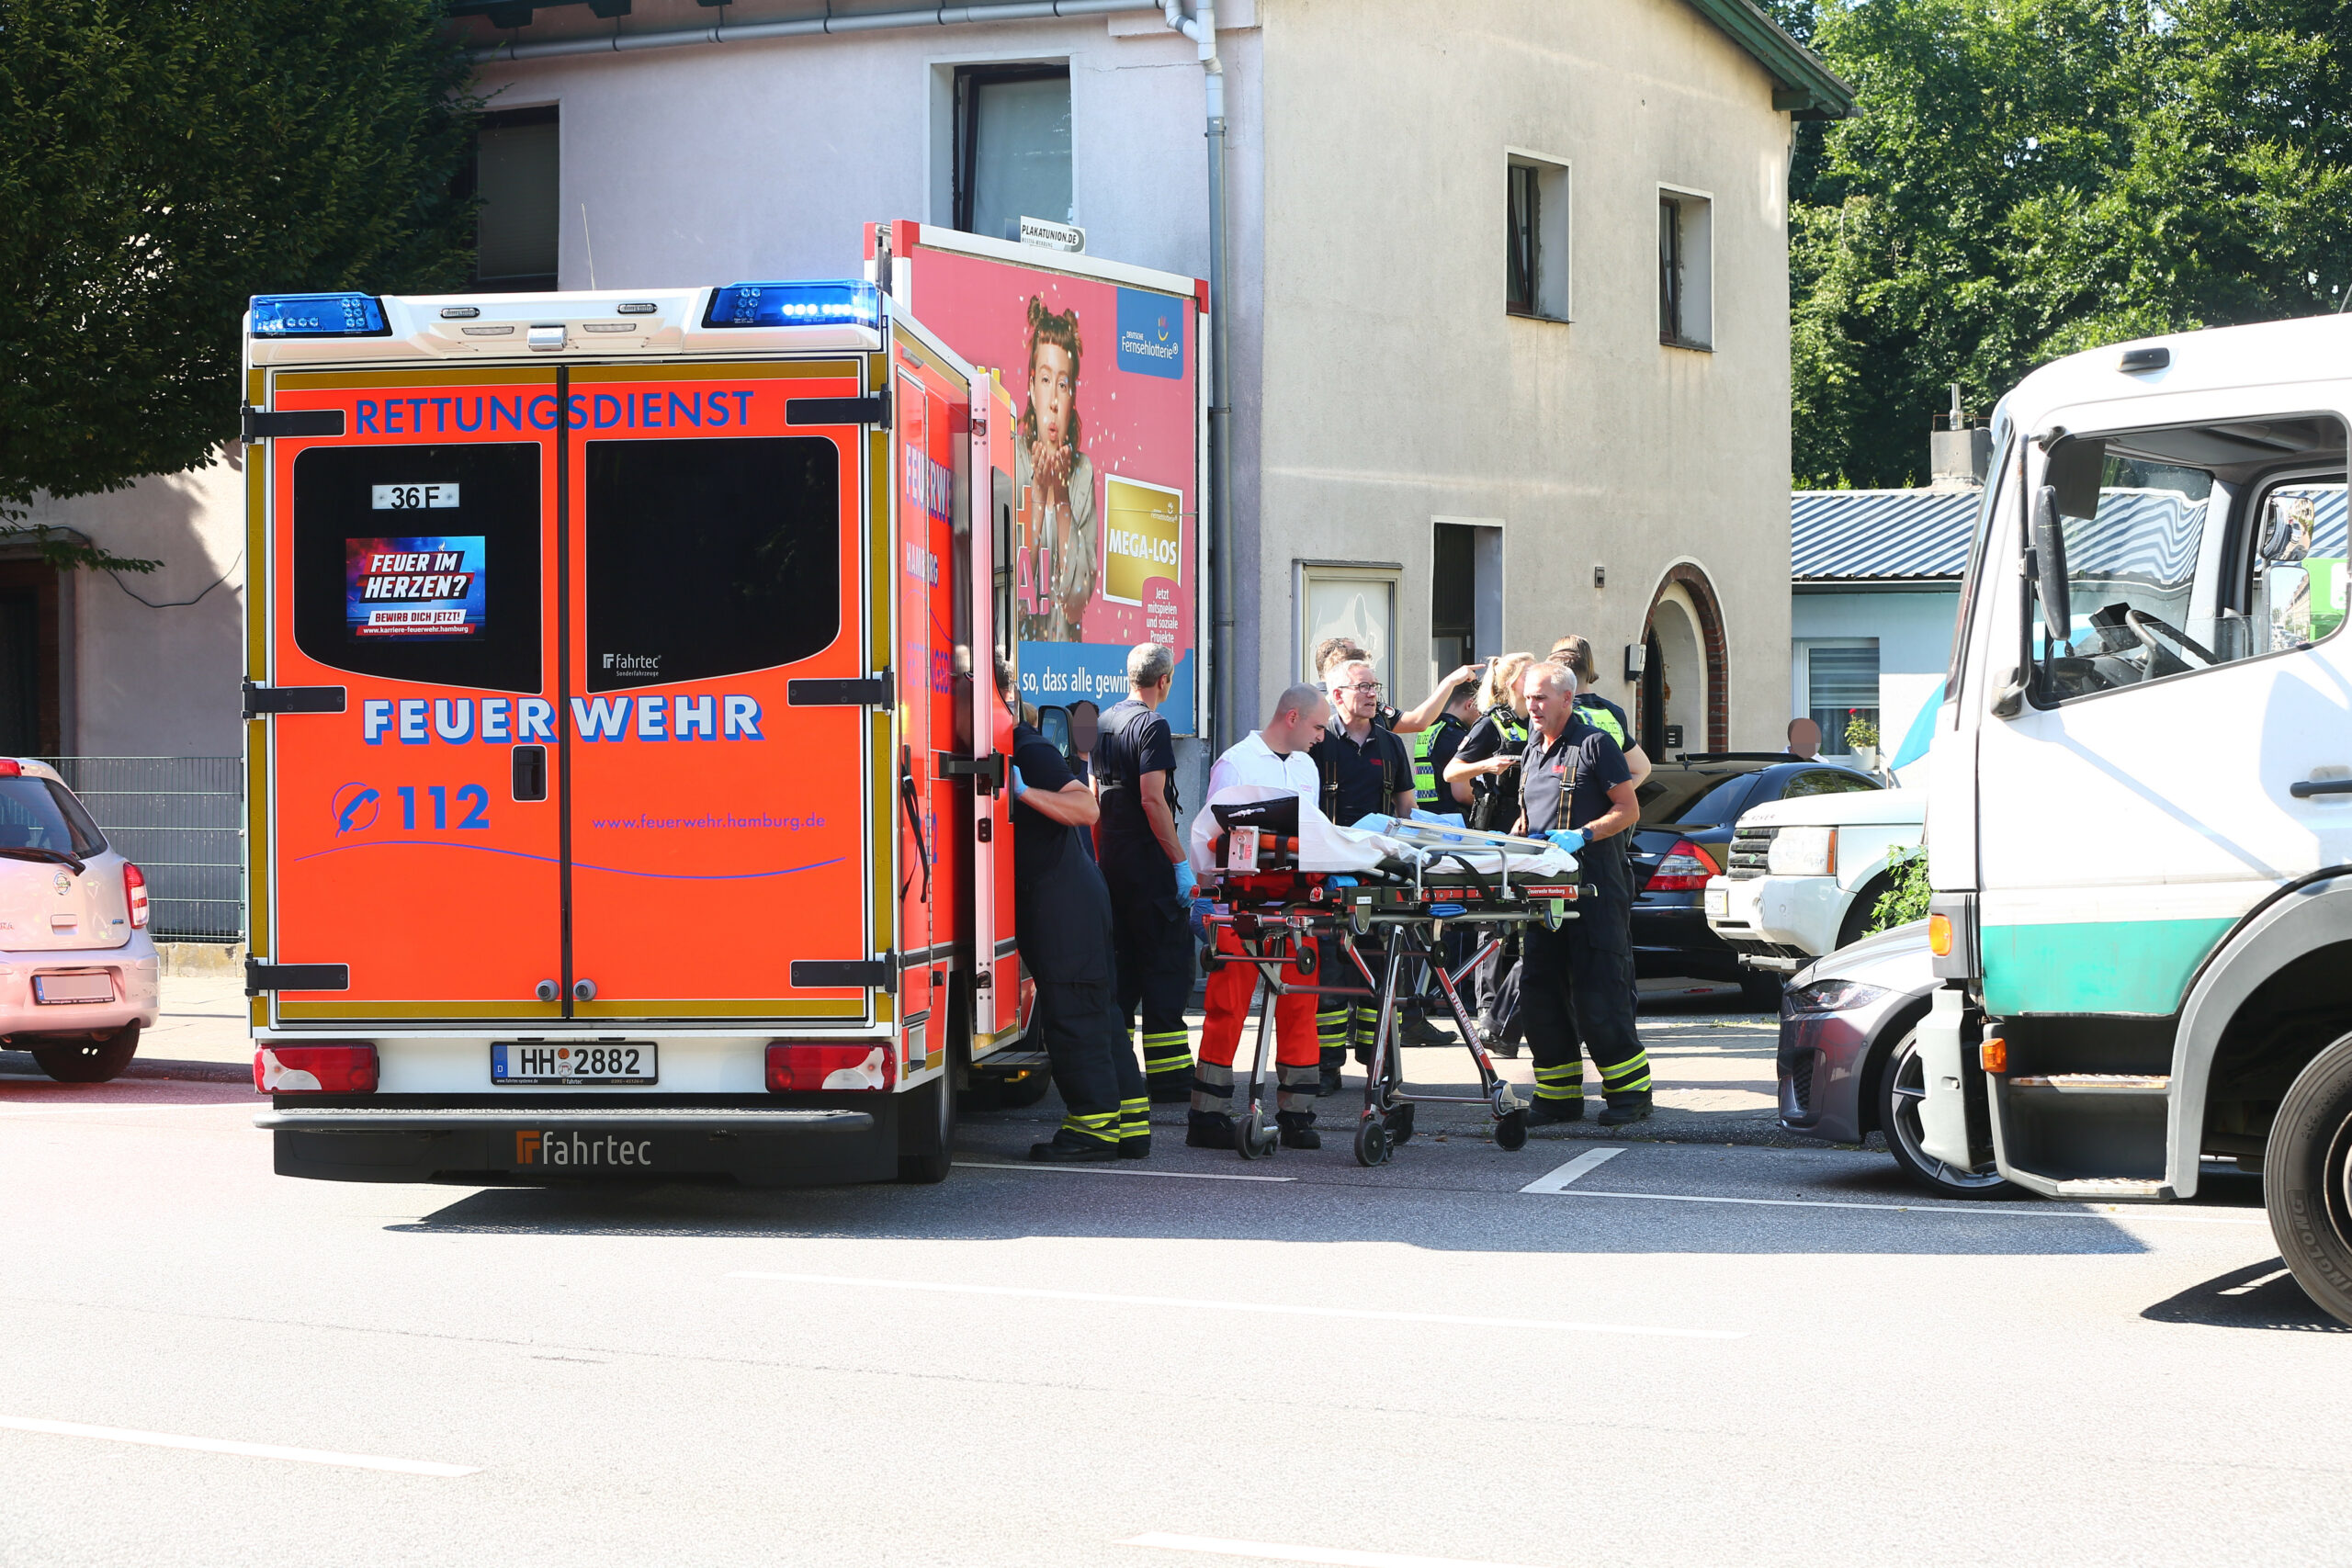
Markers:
point(134, 893)
point(798, 1068)
point(343, 1067)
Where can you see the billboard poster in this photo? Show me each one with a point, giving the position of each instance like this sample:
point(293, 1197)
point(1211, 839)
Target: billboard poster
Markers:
point(1102, 362)
point(427, 588)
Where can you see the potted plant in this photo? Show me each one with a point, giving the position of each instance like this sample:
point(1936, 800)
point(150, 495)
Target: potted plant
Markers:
point(1862, 739)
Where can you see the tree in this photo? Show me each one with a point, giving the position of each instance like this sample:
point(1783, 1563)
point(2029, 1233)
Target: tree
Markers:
point(2027, 178)
point(163, 159)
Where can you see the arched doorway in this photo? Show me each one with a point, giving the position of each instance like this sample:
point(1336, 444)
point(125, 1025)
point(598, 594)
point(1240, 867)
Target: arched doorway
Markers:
point(1685, 704)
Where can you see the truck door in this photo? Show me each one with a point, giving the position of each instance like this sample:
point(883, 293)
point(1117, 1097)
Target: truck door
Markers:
point(414, 837)
point(715, 693)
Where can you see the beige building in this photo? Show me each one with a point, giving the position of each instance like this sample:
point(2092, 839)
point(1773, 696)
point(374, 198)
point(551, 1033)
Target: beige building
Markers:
point(1507, 305)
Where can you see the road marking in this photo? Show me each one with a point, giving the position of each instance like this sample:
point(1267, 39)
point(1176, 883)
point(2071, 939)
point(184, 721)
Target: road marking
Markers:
point(250, 1450)
point(1277, 1308)
point(2113, 1211)
point(1558, 1180)
point(1303, 1553)
point(1114, 1170)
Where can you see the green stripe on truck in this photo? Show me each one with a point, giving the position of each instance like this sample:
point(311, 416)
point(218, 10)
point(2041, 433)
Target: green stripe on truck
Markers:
point(2139, 967)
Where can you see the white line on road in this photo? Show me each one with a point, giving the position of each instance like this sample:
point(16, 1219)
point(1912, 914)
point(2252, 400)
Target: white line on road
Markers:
point(1558, 1180)
point(222, 1445)
point(1302, 1553)
point(1278, 1308)
point(2113, 1211)
point(1114, 1170)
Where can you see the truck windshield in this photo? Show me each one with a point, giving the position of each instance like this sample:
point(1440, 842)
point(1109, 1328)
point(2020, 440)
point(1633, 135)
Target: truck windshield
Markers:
point(2187, 547)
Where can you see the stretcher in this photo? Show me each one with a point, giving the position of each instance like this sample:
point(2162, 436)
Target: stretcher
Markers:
point(1410, 884)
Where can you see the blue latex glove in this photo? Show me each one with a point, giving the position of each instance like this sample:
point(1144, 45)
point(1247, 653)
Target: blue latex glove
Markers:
point(1020, 785)
point(1185, 878)
point(1568, 838)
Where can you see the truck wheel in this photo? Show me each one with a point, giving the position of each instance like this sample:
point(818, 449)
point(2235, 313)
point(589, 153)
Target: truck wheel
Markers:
point(1901, 1085)
point(2307, 1180)
point(931, 1107)
point(92, 1062)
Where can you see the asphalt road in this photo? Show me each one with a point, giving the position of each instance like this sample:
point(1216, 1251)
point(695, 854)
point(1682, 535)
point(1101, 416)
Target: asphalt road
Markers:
point(1688, 1352)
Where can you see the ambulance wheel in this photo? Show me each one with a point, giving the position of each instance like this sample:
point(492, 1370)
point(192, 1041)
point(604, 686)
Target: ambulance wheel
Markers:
point(1250, 1139)
point(1510, 1133)
point(927, 1115)
point(1400, 1124)
point(97, 1061)
point(1372, 1142)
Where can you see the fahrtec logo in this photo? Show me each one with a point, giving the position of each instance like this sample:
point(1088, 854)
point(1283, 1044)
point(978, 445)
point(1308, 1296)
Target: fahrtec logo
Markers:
point(560, 1149)
point(646, 664)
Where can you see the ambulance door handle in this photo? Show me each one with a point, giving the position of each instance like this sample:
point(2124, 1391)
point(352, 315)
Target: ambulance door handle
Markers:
point(260, 700)
point(530, 774)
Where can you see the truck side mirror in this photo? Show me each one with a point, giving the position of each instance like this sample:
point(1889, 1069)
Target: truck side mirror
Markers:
point(2050, 570)
point(2287, 528)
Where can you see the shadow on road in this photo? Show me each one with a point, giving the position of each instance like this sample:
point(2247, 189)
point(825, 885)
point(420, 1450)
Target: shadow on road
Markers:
point(2261, 1295)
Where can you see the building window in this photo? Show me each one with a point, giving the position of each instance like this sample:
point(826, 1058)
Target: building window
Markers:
point(1356, 599)
point(1536, 238)
point(516, 174)
point(1011, 148)
point(1685, 269)
point(1840, 684)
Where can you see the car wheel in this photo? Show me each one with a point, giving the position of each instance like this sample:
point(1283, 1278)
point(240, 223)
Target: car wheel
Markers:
point(95, 1061)
point(1902, 1086)
point(2307, 1178)
point(1761, 992)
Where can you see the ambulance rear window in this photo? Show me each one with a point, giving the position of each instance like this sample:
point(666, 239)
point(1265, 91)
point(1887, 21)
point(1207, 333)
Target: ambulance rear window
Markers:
point(709, 557)
point(421, 563)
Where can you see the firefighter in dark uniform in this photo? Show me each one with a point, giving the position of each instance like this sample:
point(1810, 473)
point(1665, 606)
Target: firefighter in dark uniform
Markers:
point(1151, 932)
point(1487, 761)
point(1576, 992)
point(1063, 919)
point(1364, 770)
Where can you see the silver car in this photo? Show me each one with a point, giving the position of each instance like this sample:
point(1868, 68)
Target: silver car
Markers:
point(1850, 1061)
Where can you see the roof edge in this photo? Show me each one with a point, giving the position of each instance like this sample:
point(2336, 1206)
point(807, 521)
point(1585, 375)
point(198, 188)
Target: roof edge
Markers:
point(1809, 89)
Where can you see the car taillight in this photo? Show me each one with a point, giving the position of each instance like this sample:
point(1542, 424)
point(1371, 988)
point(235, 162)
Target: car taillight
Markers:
point(1685, 869)
point(798, 1068)
point(315, 1069)
point(134, 892)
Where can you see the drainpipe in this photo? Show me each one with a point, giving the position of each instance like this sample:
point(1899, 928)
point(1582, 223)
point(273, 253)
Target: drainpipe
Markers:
point(1201, 27)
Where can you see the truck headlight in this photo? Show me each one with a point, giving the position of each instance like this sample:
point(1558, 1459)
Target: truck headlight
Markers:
point(1804, 851)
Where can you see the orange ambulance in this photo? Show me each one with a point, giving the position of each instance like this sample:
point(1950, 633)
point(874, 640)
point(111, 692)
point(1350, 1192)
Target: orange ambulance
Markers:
point(625, 763)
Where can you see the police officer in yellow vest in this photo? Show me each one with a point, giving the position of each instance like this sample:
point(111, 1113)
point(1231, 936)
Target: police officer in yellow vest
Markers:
point(1433, 747)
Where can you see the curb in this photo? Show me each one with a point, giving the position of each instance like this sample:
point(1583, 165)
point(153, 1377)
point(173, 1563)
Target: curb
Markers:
point(180, 1072)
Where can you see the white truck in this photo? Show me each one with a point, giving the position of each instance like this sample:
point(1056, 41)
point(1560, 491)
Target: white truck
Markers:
point(1805, 873)
point(2139, 838)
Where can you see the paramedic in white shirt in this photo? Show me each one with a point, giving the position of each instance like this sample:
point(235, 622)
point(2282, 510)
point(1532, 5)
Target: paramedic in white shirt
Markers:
point(1275, 758)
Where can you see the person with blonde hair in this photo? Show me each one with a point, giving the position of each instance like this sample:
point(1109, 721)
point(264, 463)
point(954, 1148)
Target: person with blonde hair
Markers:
point(1574, 654)
point(1489, 757)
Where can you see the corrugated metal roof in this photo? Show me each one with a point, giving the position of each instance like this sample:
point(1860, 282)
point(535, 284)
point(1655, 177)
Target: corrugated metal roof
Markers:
point(1922, 534)
point(1878, 533)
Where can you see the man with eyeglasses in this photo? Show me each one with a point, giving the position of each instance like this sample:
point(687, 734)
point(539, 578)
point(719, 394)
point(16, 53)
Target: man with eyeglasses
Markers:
point(1331, 651)
point(1364, 771)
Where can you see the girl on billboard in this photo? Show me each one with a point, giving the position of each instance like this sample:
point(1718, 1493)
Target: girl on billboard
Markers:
point(1055, 480)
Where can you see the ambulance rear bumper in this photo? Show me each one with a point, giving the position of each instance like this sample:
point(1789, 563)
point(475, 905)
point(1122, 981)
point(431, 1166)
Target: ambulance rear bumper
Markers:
point(479, 1145)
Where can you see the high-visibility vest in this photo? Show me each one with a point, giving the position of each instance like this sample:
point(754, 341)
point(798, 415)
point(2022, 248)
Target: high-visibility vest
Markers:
point(1428, 787)
point(1600, 719)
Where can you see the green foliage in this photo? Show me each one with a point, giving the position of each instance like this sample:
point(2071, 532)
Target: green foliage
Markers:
point(162, 159)
point(1860, 732)
point(2029, 178)
point(1907, 900)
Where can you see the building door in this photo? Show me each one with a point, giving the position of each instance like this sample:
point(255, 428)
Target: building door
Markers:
point(19, 672)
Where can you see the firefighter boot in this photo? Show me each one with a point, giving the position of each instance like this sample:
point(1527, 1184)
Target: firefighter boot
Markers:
point(1298, 1129)
point(1625, 1108)
point(1081, 1136)
point(1209, 1130)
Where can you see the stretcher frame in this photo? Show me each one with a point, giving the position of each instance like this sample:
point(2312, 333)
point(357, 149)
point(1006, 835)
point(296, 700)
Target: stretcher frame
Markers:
point(1414, 912)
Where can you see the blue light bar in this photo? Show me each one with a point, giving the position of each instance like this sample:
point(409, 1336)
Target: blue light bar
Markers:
point(847, 303)
point(318, 315)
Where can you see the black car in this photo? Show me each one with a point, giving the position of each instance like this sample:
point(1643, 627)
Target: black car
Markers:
point(1688, 809)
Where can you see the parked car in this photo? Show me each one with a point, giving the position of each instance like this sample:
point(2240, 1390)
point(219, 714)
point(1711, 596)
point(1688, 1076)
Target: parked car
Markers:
point(1683, 840)
point(77, 968)
point(1806, 875)
point(1850, 1055)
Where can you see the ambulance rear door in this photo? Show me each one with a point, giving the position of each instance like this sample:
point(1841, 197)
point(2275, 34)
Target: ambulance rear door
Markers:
point(408, 839)
point(719, 687)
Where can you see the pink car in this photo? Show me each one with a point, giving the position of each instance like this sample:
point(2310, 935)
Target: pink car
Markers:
point(77, 968)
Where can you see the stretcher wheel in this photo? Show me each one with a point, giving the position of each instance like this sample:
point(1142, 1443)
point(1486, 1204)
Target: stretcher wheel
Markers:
point(1209, 958)
point(1307, 957)
point(1400, 1123)
point(1250, 1139)
point(1372, 1142)
point(1510, 1133)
